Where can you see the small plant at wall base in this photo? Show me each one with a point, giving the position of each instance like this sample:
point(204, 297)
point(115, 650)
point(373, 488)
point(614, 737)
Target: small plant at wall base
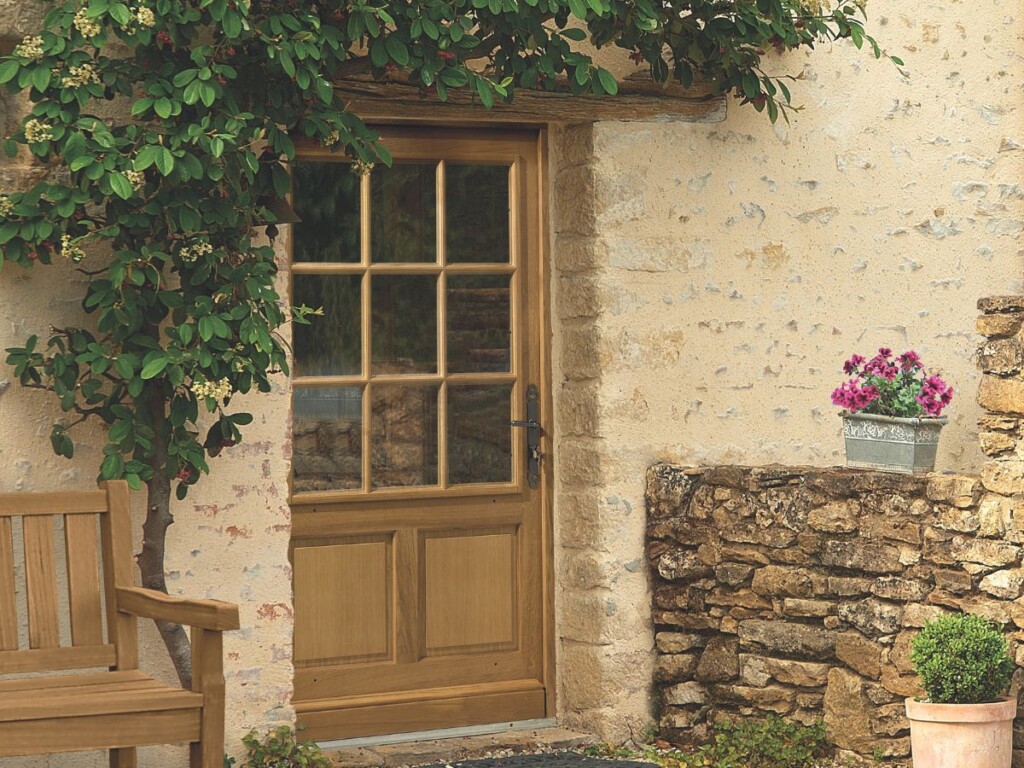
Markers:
point(280, 748)
point(965, 667)
point(892, 413)
point(159, 204)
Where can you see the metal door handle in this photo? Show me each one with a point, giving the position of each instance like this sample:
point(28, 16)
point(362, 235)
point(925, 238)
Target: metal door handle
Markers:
point(533, 433)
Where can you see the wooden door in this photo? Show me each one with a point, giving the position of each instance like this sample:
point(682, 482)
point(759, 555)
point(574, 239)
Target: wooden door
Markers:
point(420, 542)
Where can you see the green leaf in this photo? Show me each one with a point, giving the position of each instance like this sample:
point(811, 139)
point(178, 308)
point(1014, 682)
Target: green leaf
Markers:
point(164, 161)
point(162, 107)
point(397, 50)
point(154, 367)
point(121, 186)
point(608, 82)
point(8, 69)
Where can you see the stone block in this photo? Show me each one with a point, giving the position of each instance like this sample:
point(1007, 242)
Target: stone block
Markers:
point(835, 517)
point(893, 528)
point(682, 565)
point(900, 685)
point(770, 698)
point(899, 588)
point(760, 670)
point(860, 654)
point(1001, 304)
point(899, 654)
point(1002, 357)
point(787, 638)
point(674, 667)
point(957, 582)
point(984, 551)
point(861, 555)
point(873, 617)
point(719, 662)
point(849, 586)
point(733, 574)
point(683, 694)
point(996, 443)
point(19, 18)
point(999, 326)
point(678, 642)
point(794, 606)
point(1005, 584)
point(958, 490)
point(780, 581)
point(848, 712)
point(1001, 395)
point(890, 720)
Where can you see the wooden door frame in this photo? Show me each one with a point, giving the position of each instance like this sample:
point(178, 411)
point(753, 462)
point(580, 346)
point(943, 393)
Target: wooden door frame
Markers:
point(539, 326)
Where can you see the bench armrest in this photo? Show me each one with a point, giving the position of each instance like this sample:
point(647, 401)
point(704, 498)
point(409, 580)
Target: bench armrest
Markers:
point(150, 604)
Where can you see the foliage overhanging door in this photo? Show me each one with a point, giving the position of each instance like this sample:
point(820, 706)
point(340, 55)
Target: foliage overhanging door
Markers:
point(418, 545)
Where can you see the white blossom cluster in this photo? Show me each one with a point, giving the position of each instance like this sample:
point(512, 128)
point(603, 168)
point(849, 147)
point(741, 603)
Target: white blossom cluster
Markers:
point(79, 76)
point(37, 131)
point(198, 248)
point(332, 138)
point(218, 390)
point(70, 250)
point(6, 206)
point(145, 17)
point(136, 178)
point(30, 48)
point(361, 167)
point(88, 27)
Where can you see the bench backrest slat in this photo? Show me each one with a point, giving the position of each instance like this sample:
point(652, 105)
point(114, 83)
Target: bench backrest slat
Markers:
point(88, 550)
point(41, 583)
point(8, 594)
point(83, 559)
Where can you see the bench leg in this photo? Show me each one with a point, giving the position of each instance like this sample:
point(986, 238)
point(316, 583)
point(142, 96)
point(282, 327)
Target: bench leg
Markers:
point(123, 758)
point(208, 679)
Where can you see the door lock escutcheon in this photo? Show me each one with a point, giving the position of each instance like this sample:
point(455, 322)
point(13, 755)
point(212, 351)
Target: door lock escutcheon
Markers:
point(533, 434)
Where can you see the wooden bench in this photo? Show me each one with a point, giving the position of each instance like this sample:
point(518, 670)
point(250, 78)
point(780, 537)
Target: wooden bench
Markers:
point(121, 708)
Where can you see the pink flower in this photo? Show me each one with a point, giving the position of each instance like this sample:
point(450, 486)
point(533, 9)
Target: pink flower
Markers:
point(910, 360)
point(851, 365)
point(884, 352)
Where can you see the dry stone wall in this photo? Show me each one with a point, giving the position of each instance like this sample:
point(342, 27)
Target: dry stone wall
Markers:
point(797, 590)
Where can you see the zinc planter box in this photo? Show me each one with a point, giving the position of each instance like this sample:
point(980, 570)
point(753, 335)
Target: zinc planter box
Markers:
point(890, 443)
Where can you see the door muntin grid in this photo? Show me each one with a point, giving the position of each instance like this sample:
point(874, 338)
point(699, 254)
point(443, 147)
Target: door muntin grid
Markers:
point(439, 363)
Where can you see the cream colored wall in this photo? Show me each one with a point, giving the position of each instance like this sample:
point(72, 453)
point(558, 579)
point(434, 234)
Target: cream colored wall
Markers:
point(711, 279)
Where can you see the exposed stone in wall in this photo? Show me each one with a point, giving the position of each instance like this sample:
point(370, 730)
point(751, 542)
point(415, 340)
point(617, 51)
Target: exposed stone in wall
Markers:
point(796, 591)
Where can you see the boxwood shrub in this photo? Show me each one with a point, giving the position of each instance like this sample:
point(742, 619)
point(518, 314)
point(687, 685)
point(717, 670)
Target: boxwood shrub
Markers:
point(962, 659)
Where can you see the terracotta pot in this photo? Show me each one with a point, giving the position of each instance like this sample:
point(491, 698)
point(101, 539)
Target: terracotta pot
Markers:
point(961, 735)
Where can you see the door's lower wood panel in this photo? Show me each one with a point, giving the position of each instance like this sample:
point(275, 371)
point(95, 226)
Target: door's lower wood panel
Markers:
point(421, 710)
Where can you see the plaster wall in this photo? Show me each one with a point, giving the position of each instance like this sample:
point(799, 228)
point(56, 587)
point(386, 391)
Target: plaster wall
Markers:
point(711, 279)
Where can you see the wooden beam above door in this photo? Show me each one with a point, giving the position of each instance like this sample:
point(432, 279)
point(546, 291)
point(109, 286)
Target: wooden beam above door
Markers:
point(639, 99)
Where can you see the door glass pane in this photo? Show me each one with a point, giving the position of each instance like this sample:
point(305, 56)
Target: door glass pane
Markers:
point(404, 436)
point(327, 447)
point(403, 206)
point(477, 213)
point(330, 344)
point(479, 323)
point(479, 434)
point(404, 327)
point(326, 198)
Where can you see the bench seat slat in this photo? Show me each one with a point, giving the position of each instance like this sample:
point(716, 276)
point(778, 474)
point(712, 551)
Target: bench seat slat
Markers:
point(40, 737)
point(71, 681)
point(57, 703)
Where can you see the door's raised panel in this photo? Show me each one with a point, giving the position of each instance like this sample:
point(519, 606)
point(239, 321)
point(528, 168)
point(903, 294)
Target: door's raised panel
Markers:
point(343, 599)
point(470, 591)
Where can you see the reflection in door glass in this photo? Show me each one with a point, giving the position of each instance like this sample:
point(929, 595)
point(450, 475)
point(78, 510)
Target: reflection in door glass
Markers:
point(327, 446)
point(403, 206)
point(404, 436)
point(327, 200)
point(479, 434)
point(330, 345)
point(477, 213)
point(479, 323)
point(404, 324)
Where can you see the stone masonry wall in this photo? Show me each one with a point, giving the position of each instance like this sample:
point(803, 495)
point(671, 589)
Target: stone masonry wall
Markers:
point(797, 590)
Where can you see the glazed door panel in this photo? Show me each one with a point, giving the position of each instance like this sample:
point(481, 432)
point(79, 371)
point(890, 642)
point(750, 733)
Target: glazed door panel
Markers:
point(419, 546)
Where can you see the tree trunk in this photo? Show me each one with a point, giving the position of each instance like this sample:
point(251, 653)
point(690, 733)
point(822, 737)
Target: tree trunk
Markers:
point(154, 538)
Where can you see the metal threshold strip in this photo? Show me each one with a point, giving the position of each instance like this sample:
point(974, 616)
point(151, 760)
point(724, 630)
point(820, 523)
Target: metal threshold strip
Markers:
point(441, 733)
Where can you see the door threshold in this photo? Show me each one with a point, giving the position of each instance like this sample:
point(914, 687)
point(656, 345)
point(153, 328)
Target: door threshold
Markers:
point(440, 733)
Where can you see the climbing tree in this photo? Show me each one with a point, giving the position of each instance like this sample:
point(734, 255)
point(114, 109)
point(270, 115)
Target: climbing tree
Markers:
point(161, 205)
